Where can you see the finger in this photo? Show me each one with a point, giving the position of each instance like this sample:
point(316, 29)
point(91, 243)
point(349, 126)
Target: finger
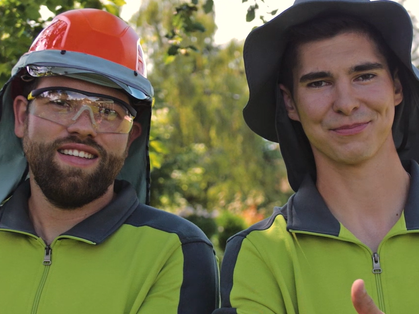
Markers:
point(361, 300)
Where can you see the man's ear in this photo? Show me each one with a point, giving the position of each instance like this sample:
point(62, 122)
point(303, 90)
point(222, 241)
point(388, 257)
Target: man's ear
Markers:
point(135, 132)
point(289, 103)
point(398, 90)
point(20, 108)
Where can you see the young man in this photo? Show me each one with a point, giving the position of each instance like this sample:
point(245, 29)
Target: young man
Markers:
point(333, 83)
point(73, 239)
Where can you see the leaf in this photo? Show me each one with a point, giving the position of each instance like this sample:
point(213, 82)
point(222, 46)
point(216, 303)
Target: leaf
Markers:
point(158, 146)
point(198, 27)
point(208, 6)
point(112, 9)
point(173, 50)
point(155, 160)
point(250, 15)
point(168, 59)
point(119, 3)
point(171, 34)
point(193, 48)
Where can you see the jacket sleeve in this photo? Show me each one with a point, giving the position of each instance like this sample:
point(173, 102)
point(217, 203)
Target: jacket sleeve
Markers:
point(247, 283)
point(188, 284)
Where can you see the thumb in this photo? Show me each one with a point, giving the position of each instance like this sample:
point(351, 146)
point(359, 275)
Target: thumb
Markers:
point(361, 300)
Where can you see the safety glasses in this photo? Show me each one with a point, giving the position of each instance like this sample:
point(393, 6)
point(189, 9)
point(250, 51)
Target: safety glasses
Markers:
point(65, 105)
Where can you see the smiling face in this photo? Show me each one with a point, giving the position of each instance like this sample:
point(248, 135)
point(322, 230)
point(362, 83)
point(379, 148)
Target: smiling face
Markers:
point(72, 165)
point(344, 96)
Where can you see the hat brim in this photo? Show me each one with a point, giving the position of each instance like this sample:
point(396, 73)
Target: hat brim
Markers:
point(264, 47)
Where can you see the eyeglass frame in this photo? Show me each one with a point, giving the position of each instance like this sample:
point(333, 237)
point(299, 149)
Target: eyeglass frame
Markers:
point(130, 111)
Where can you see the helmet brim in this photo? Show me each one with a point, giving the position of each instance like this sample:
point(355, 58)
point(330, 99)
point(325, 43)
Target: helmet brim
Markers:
point(264, 48)
point(89, 68)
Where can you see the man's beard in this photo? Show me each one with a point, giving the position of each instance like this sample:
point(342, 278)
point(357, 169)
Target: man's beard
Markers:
point(65, 187)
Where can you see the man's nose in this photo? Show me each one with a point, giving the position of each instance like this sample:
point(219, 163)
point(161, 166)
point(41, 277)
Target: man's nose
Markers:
point(345, 99)
point(84, 122)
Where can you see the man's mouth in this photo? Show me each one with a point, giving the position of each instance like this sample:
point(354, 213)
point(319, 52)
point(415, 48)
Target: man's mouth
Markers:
point(76, 153)
point(351, 126)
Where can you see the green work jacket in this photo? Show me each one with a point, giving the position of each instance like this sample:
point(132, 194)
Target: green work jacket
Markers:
point(127, 258)
point(302, 260)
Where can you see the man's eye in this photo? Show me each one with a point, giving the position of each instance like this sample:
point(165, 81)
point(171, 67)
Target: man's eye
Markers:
point(59, 102)
point(317, 84)
point(365, 77)
point(108, 113)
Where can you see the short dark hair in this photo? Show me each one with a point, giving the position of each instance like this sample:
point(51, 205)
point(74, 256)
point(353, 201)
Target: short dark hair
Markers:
point(324, 28)
point(28, 84)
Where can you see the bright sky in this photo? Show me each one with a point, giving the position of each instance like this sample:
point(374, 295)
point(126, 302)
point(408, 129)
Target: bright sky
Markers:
point(230, 15)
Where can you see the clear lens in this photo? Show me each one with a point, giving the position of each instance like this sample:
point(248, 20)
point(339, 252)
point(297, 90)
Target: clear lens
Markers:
point(64, 106)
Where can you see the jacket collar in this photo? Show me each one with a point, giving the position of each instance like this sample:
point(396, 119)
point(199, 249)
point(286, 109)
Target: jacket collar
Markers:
point(307, 211)
point(96, 228)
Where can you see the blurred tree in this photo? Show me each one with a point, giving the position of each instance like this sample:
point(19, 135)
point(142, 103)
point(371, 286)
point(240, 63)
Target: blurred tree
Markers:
point(229, 225)
point(210, 157)
point(185, 21)
point(415, 44)
point(202, 153)
point(21, 22)
point(202, 218)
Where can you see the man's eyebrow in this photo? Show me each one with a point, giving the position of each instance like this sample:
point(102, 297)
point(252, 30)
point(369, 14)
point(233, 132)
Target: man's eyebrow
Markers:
point(368, 66)
point(314, 76)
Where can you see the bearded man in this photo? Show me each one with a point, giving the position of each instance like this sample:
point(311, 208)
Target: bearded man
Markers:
point(76, 235)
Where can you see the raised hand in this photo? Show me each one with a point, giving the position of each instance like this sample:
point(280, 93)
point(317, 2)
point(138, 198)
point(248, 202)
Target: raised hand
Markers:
point(361, 300)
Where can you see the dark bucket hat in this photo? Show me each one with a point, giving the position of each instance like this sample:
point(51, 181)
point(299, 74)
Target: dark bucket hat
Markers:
point(263, 51)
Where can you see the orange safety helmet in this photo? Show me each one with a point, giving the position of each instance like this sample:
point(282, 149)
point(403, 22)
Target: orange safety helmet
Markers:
point(90, 45)
point(94, 32)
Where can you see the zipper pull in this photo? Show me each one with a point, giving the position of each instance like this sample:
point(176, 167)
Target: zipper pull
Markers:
point(47, 256)
point(376, 267)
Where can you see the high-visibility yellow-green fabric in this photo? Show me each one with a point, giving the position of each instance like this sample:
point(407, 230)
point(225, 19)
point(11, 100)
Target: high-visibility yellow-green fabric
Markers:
point(302, 260)
point(127, 258)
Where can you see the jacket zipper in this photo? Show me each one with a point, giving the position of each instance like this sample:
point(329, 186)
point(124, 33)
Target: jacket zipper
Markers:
point(46, 262)
point(47, 256)
point(376, 269)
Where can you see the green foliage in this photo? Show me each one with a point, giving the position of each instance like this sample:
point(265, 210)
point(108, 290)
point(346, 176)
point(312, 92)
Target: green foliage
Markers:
point(211, 159)
point(205, 222)
point(202, 153)
point(183, 24)
point(229, 224)
point(21, 22)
